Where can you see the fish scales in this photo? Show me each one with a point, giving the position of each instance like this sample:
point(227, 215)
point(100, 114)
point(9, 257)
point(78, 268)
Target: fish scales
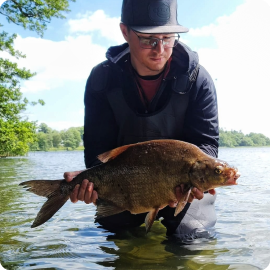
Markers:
point(140, 178)
point(147, 185)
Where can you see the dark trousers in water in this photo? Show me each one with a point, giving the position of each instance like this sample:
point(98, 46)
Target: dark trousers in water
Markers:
point(196, 217)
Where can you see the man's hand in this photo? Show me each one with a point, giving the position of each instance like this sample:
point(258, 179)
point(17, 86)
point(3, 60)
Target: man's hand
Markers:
point(195, 194)
point(84, 192)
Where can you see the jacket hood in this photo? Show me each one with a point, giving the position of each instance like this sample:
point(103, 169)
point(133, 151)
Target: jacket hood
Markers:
point(182, 56)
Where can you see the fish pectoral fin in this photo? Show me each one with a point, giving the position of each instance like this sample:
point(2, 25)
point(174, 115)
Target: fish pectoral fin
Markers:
point(106, 208)
point(150, 218)
point(181, 204)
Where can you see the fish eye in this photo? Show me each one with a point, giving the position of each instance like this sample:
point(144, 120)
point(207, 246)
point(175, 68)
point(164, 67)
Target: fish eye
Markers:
point(218, 170)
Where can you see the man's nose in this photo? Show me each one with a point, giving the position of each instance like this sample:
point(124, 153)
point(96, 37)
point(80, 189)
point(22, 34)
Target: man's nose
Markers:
point(159, 47)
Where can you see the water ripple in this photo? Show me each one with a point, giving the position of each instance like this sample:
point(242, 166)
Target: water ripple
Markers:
point(71, 239)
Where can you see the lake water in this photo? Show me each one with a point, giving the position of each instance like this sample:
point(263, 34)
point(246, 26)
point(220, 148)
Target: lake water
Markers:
point(71, 240)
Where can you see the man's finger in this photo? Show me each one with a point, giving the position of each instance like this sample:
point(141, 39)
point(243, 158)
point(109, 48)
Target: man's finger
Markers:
point(212, 191)
point(70, 175)
point(197, 193)
point(94, 197)
point(82, 190)
point(74, 194)
point(178, 193)
point(88, 193)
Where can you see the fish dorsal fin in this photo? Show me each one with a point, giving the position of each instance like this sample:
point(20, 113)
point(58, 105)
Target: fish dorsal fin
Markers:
point(112, 154)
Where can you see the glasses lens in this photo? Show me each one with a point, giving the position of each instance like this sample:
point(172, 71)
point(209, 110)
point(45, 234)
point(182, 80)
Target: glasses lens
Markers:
point(148, 43)
point(167, 42)
point(170, 42)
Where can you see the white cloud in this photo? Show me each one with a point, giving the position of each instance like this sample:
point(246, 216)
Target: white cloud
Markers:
point(240, 63)
point(97, 21)
point(204, 31)
point(59, 62)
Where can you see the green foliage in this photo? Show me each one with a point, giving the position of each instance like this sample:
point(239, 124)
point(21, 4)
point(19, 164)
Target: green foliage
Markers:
point(48, 138)
point(15, 137)
point(16, 133)
point(11, 100)
point(44, 141)
point(237, 138)
point(56, 139)
point(71, 138)
point(44, 128)
point(81, 130)
point(34, 14)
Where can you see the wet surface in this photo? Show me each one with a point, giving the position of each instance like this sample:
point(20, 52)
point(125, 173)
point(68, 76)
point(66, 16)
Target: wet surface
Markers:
point(71, 239)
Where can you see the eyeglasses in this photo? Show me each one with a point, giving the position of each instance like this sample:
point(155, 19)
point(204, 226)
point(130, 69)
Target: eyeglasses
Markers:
point(151, 42)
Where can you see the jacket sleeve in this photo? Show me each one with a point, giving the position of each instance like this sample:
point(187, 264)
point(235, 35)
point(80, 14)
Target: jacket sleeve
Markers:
point(201, 122)
point(100, 128)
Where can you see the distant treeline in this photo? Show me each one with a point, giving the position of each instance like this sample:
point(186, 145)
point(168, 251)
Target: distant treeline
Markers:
point(47, 138)
point(235, 138)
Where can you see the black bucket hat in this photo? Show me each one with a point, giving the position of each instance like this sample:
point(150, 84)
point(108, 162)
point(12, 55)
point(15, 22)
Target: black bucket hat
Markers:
point(151, 16)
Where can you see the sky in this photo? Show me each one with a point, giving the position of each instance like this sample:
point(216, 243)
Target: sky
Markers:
point(232, 38)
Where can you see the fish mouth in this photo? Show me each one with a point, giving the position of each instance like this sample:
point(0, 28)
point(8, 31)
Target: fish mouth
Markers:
point(233, 175)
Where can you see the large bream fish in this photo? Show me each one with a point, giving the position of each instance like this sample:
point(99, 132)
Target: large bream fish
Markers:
point(139, 178)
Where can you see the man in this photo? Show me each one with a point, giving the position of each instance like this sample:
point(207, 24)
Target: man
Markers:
point(151, 87)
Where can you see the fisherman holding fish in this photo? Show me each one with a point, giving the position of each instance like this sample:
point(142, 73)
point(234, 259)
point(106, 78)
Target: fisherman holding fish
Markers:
point(151, 88)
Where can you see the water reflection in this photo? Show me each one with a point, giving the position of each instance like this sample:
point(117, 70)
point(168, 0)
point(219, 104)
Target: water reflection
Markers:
point(135, 250)
point(71, 239)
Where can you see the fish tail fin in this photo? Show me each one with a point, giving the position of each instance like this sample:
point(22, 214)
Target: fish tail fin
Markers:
point(51, 190)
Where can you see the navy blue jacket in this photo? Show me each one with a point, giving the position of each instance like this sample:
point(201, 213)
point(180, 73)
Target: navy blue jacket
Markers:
point(100, 128)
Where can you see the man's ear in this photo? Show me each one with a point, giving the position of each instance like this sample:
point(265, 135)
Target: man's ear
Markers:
point(124, 31)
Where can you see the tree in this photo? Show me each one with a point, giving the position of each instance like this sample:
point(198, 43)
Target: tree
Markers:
point(258, 139)
point(15, 137)
point(81, 130)
point(56, 139)
point(238, 138)
point(44, 128)
point(34, 15)
point(227, 140)
point(44, 141)
point(71, 138)
point(12, 103)
point(246, 141)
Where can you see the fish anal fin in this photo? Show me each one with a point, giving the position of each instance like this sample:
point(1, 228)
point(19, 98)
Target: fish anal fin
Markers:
point(150, 218)
point(182, 202)
point(106, 208)
point(112, 154)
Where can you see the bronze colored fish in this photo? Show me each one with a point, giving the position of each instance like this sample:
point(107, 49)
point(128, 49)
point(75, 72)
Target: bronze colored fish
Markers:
point(139, 178)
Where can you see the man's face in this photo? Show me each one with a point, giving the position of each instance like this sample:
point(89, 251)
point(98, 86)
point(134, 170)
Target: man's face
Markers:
point(147, 62)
